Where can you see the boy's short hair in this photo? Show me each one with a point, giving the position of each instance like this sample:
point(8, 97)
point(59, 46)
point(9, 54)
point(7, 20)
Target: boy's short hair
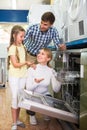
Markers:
point(48, 16)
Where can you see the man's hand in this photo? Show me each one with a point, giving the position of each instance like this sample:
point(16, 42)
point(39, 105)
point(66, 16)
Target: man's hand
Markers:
point(62, 47)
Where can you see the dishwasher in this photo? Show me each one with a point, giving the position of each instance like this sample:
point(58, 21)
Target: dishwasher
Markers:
point(47, 105)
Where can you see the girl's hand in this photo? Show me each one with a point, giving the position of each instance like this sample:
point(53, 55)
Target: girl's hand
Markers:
point(33, 66)
point(38, 80)
point(29, 63)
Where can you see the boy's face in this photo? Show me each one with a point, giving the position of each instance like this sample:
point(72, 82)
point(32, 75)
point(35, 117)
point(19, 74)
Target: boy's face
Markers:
point(44, 26)
point(42, 57)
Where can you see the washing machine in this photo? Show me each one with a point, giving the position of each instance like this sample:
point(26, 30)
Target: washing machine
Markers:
point(75, 31)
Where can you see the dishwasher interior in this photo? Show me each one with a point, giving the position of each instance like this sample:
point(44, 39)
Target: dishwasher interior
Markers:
point(68, 67)
point(47, 105)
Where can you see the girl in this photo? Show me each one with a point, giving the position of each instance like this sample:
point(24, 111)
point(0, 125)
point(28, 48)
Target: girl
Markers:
point(39, 79)
point(17, 67)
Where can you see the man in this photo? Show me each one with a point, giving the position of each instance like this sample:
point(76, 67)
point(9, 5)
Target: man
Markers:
point(40, 35)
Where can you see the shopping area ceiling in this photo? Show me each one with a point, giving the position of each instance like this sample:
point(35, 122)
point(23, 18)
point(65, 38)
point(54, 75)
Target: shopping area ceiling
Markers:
point(20, 4)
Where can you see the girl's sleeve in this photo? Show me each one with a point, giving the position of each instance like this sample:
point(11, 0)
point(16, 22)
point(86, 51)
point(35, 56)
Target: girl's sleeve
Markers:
point(30, 83)
point(11, 51)
point(56, 85)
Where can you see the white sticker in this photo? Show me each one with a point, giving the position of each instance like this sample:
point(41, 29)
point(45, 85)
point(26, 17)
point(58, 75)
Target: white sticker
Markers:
point(82, 71)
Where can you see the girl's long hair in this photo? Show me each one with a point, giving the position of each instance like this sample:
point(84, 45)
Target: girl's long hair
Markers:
point(15, 30)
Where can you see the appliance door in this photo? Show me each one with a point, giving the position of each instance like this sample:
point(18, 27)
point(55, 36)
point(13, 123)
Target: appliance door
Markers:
point(83, 91)
point(47, 105)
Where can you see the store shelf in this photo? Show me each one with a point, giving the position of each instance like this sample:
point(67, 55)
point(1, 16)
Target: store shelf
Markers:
point(13, 15)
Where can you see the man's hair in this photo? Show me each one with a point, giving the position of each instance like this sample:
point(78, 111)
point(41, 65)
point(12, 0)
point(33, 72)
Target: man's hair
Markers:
point(48, 16)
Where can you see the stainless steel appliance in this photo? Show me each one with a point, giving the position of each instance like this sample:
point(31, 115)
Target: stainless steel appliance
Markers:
point(83, 91)
point(47, 105)
point(72, 67)
point(67, 107)
point(3, 66)
point(70, 104)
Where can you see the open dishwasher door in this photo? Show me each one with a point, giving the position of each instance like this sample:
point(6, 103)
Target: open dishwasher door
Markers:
point(47, 105)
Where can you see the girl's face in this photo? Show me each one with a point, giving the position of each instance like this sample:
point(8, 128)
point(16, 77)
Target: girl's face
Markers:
point(19, 37)
point(42, 57)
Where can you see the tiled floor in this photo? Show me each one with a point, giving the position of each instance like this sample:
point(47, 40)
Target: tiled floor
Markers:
point(6, 119)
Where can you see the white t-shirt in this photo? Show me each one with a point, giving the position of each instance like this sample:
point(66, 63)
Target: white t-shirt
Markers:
point(49, 76)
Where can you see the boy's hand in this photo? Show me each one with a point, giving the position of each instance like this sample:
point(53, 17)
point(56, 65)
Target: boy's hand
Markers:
point(38, 80)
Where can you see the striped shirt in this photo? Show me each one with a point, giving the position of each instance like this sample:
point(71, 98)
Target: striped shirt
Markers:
point(35, 39)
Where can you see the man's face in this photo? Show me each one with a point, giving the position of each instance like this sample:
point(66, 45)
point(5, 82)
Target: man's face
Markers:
point(44, 26)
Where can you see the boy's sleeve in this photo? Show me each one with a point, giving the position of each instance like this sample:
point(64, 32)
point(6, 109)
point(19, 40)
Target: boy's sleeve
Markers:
point(30, 83)
point(56, 85)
